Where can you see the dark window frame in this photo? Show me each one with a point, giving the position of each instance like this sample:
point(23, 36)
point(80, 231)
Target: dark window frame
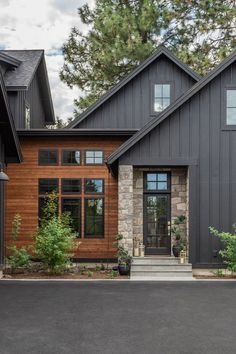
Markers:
point(93, 164)
point(95, 193)
point(45, 193)
point(48, 164)
point(71, 193)
point(80, 215)
point(157, 191)
point(153, 112)
point(71, 150)
point(224, 125)
point(87, 237)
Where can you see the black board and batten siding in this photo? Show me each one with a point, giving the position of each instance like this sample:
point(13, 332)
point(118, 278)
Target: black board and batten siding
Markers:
point(2, 159)
point(32, 98)
point(132, 105)
point(195, 136)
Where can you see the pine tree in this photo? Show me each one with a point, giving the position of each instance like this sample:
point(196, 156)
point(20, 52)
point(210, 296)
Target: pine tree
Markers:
point(122, 33)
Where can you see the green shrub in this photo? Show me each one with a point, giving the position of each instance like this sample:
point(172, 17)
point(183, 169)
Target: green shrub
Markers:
point(122, 254)
point(55, 238)
point(229, 252)
point(18, 257)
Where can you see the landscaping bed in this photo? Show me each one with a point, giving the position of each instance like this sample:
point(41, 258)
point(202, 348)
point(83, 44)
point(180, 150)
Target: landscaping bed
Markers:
point(36, 271)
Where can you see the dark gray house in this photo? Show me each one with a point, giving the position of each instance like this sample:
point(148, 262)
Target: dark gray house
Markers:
point(158, 146)
point(181, 160)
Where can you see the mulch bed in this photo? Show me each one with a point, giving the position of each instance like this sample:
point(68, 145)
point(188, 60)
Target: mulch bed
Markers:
point(36, 271)
point(214, 277)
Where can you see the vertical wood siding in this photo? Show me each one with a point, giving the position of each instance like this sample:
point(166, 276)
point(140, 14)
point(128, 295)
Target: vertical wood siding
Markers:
point(131, 107)
point(195, 132)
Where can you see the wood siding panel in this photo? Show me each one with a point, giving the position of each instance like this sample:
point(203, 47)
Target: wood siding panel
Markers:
point(22, 190)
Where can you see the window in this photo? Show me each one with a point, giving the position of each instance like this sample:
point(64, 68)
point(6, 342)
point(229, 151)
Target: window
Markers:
point(71, 186)
point(157, 181)
point(70, 157)
point(231, 106)
point(161, 97)
point(27, 117)
point(48, 157)
point(73, 207)
point(94, 157)
point(92, 186)
point(94, 217)
point(48, 185)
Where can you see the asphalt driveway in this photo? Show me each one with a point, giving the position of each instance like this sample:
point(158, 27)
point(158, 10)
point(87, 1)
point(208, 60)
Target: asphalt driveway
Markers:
point(116, 317)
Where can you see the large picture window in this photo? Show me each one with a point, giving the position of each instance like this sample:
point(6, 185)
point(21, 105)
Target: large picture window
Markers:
point(94, 217)
point(73, 207)
point(161, 97)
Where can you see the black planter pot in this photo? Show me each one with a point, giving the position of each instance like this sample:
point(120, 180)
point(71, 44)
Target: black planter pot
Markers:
point(124, 269)
point(176, 250)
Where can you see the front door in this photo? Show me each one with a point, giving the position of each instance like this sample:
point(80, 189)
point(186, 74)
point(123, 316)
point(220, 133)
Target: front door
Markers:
point(157, 205)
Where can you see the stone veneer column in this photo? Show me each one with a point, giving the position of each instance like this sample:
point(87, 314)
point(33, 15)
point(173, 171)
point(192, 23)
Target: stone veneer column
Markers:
point(138, 205)
point(125, 205)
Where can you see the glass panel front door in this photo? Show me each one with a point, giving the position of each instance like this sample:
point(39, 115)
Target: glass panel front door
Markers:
point(157, 237)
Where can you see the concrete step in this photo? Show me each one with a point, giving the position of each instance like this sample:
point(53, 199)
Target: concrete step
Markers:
point(147, 278)
point(161, 274)
point(155, 260)
point(161, 267)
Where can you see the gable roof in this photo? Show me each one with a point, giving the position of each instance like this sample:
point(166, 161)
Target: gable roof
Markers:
point(29, 61)
point(23, 75)
point(169, 110)
point(160, 51)
point(13, 149)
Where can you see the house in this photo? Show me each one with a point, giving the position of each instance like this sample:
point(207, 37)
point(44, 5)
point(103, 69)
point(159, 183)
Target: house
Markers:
point(159, 145)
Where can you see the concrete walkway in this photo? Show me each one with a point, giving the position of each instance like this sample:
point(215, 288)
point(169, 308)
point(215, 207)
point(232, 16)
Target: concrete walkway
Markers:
point(117, 317)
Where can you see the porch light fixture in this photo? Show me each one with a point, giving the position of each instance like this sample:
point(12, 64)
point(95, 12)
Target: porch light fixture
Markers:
point(3, 176)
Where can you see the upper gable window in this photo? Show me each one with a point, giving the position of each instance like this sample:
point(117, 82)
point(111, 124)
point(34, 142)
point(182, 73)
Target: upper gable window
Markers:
point(161, 97)
point(231, 106)
point(27, 117)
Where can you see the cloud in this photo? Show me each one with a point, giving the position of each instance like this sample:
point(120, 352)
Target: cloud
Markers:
point(43, 24)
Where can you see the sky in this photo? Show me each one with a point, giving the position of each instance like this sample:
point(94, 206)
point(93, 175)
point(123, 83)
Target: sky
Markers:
point(43, 24)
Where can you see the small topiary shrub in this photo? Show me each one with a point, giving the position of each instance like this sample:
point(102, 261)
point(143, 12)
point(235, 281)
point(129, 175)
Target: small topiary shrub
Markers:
point(229, 252)
point(55, 238)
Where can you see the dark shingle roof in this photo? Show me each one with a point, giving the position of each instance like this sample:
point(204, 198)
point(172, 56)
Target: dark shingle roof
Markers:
point(24, 73)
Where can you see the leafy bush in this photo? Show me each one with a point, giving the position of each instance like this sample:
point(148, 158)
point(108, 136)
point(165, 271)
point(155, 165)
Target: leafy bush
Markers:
point(229, 252)
point(55, 238)
point(19, 257)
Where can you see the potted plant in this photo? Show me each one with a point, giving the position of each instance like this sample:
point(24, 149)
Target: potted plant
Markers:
point(124, 259)
point(179, 242)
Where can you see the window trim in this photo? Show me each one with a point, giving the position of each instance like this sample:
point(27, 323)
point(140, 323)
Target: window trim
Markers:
point(70, 193)
point(224, 125)
point(43, 194)
point(47, 164)
point(95, 193)
point(152, 96)
point(71, 164)
point(81, 218)
point(87, 237)
point(93, 164)
point(157, 191)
